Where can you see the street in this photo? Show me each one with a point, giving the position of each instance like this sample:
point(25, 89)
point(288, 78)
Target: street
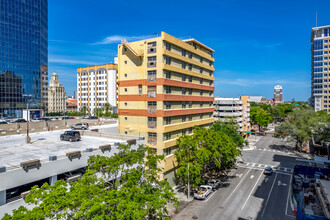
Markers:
point(248, 193)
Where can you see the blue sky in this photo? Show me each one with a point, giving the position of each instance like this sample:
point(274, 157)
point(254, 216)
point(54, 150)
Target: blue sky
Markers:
point(257, 44)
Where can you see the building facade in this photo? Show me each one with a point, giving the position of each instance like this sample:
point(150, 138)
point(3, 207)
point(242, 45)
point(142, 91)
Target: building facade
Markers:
point(23, 54)
point(165, 88)
point(71, 105)
point(96, 86)
point(56, 95)
point(320, 77)
point(236, 109)
point(278, 95)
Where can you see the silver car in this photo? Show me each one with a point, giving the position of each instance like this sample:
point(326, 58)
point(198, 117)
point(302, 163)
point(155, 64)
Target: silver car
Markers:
point(202, 192)
point(82, 126)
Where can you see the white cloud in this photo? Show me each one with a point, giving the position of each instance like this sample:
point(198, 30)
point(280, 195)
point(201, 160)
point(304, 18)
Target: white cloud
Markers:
point(117, 39)
point(69, 60)
point(255, 82)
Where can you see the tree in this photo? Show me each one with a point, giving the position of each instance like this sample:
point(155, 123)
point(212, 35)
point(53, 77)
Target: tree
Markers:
point(260, 116)
point(298, 126)
point(116, 187)
point(206, 150)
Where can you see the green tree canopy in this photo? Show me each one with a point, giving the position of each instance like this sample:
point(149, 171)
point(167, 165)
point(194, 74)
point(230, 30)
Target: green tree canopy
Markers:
point(116, 187)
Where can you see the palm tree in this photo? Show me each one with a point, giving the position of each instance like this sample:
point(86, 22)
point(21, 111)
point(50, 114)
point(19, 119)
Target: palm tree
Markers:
point(107, 107)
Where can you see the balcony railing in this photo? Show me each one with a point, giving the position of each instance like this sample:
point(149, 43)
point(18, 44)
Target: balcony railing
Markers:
point(152, 140)
point(152, 78)
point(152, 124)
point(152, 109)
point(152, 94)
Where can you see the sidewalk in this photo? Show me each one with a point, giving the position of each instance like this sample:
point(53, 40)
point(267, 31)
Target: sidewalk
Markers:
point(183, 202)
point(252, 142)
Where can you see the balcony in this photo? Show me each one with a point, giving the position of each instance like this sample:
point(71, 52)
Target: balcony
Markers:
point(152, 109)
point(152, 94)
point(152, 140)
point(152, 124)
point(152, 78)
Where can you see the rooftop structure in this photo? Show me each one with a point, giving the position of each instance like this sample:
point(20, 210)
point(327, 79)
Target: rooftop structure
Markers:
point(48, 159)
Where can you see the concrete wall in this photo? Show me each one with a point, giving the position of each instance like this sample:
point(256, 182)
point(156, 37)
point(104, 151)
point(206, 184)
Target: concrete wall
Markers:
point(20, 128)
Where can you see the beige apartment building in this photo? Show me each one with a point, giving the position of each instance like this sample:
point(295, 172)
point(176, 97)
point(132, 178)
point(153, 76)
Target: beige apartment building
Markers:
point(56, 95)
point(165, 88)
point(236, 109)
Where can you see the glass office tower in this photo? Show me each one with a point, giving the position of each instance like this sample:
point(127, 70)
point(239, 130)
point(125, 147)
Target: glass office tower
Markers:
point(23, 55)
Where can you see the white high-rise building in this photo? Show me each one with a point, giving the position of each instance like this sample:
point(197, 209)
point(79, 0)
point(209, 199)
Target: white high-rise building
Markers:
point(320, 97)
point(96, 86)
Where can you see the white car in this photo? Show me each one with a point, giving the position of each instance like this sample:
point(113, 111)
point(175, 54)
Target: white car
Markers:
point(203, 191)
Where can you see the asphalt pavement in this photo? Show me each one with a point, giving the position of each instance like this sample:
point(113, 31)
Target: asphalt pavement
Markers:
point(248, 193)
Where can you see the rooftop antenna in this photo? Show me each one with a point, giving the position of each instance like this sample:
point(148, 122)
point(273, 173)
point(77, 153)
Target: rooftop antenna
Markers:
point(316, 18)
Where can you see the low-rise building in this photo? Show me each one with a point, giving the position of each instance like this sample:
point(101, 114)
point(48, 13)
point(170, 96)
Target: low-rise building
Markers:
point(236, 109)
point(96, 86)
point(56, 95)
point(71, 105)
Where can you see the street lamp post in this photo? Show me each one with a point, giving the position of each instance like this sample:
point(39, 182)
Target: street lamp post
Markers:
point(188, 183)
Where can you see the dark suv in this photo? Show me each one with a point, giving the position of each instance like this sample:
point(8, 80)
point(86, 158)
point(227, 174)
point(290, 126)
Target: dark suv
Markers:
point(71, 136)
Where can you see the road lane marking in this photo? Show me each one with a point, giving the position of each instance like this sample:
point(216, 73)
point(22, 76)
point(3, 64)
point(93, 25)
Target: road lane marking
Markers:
point(251, 177)
point(266, 180)
point(236, 187)
point(271, 189)
point(281, 184)
point(287, 200)
point(209, 197)
point(252, 190)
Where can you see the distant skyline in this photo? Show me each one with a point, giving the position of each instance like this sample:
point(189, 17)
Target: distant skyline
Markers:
point(258, 44)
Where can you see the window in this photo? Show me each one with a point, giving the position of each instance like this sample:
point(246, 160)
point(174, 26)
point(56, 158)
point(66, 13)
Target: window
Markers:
point(125, 103)
point(183, 91)
point(126, 118)
point(201, 70)
point(168, 46)
point(190, 104)
point(201, 105)
point(201, 116)
point(168, 74)
point(168, 60)
point(325, 41)
point(140, 89)
point(189, 55)
point(152, 44)
point(152, 76)
point(210, 83)
point(183, 118)
point(168, 105)
point(201, 59)
point(183, 104)
point(183, 65)
point(168, 90)
point(183, 52)
point(167, 136)
point(190, 91)
point(210, 93)
point(183, 78)
point(167, 120)
point(201, 81)
point(190, 117)
point(183, 132)
point(190, 79)
point(210, 63)
point(125, 89)
point(190, 67)
point(125, 62)
point(152, 58)
point(201, 93)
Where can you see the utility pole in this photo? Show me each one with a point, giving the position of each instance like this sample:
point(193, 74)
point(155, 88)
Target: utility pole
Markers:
point(27, 138)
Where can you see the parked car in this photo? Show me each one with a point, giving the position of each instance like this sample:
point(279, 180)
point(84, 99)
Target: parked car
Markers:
point(93, 117)
point(72, 117)
point(65, 118)
point(82, 126)
point(35, 120)
point(70, 136)
point(21, 120)
point(45, 119)
point(3, 122)
point(215, 184)
point(268, 171)
point(54, 119)
point(203, 191)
